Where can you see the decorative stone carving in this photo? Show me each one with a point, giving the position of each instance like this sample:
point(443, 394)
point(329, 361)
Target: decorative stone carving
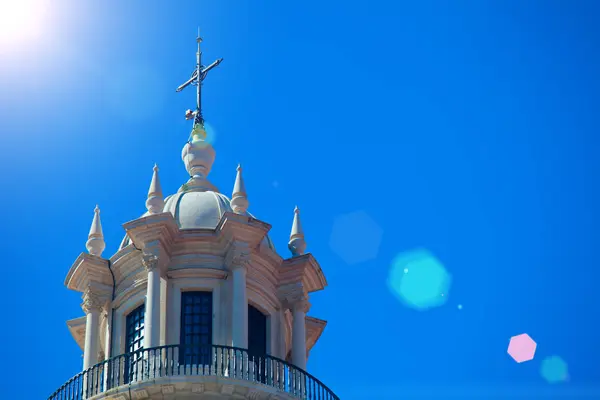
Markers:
point(150, 261)
point(293, 295)
point(300, 305)
point(238, 255)
point(227, 390)
point(168, 389)
point(91, 302)
point(141, 394)
point(198, 388)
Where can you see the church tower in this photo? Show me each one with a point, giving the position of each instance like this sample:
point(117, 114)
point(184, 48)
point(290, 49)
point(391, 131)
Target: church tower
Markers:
point(196, 303)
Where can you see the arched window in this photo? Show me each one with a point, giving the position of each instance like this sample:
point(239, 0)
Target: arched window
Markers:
point(257, 341)
point(196, 328)
point(134, 339)
point(257, 332)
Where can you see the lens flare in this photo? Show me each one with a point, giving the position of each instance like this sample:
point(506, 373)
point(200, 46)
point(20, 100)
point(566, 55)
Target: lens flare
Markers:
point(211, 133)
point(554, 369)
point(21, 21)
point(419, 280)
point(355, 237)
point(522, 348)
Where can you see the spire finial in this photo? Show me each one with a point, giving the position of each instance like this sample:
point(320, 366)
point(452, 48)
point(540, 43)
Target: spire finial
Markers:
point(95, 244)
point(198, 76)
point(239, 198)
point(155, 201)
point(297, 244)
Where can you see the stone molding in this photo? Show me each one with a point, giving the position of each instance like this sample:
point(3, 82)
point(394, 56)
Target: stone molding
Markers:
point(188, 387)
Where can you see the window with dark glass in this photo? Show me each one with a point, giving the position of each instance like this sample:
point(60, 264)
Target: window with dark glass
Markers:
point(196, 328)
point(257, 341)
point(134, 338)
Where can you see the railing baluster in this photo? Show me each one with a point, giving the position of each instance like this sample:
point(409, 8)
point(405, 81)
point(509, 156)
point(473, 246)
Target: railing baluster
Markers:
point(134, 368)
point(153, 362)
point(98, 380)
point(222, 361)
point(229, 362)
point(140, 362)
point(92, 382)
point(214, 360)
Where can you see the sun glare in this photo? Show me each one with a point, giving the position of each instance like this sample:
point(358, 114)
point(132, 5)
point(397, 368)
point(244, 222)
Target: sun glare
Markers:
point(20, 22)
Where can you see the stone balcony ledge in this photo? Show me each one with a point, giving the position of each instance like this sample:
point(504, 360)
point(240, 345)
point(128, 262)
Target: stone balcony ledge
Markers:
point(176, 372)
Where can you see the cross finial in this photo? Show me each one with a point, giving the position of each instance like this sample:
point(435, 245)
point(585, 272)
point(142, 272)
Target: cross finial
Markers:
point(197, 78)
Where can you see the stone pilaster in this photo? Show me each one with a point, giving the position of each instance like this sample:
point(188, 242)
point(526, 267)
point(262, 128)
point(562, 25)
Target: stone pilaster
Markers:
point(152, 316)
point(92, 306)
point(237, 259)
point(299, 309)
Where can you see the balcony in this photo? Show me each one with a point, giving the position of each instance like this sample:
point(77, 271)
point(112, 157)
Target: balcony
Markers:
point(206, 369)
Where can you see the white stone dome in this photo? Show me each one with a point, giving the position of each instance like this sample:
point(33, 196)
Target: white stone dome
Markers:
point(198, 210)
point(198, 204)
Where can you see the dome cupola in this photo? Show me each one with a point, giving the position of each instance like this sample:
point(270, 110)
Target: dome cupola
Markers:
point(196, 303)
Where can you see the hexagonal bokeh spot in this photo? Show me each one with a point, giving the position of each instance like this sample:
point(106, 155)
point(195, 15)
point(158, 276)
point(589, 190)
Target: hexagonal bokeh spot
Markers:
point(419, 280)
point(554, 369)
point(355, 237)
point(522, 348)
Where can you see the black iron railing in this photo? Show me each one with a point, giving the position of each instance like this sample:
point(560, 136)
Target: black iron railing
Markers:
point(179, 360)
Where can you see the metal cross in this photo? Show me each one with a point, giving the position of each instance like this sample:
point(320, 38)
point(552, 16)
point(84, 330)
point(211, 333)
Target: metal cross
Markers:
point(196, 79)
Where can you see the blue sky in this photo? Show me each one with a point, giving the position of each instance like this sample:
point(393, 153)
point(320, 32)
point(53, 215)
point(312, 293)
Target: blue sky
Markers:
point(466, 128)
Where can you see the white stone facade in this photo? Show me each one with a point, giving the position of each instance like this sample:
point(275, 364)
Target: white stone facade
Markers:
point(197, 240)
point(162, 261)
point(194, 260)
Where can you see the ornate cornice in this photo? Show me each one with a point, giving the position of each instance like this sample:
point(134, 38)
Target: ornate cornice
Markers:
point(314, 329)
point(205, 273)
point(155, 227)
point(77, 329)
point(242, 228)
point(303, 269)
point(88, 270)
